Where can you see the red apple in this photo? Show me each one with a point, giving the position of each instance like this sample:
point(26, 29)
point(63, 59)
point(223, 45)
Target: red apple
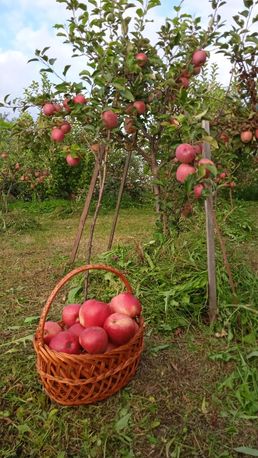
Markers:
point(57, 107)
point(224, 137)
point(183, 171)
point(110, 347)
point(76, 329)
point(141, 58)
point(196, 70)
point(140, 106)
point(94, 340)
point(48, 109)
point(232, 184)
point(185, 153)
point(73, 161)
point(79, 98)
point(93, 313)
point(65, 127)
point(127, 304)
point(198, 149)
point(110, 119)
point(129, 126)
point(246, 136)
point(184, 82)
point(66, 106)
point(57, 134)
point(203, 162)
point(199, 58)
point(65, 342)
point(51, 328)
point(70, 314)
point(186, 74)
point(120, 328)
point(198, 189)
point(223, 175)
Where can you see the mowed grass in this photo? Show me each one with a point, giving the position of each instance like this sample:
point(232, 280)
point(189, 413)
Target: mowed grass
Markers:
point(174, 407)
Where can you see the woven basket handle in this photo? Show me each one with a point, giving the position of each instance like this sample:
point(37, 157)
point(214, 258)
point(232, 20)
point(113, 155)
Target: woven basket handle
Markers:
point(78, 270)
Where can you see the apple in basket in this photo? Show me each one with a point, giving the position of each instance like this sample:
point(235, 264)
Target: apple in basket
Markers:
point(51, 328)
point(65, 342)
point(126, 303)
point(120, 328)
point(76, 329)
point(94, 340)
point(70, 314)
point(93, 313)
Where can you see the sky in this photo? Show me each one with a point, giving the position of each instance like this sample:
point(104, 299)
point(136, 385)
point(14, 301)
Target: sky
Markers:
point(28, 24)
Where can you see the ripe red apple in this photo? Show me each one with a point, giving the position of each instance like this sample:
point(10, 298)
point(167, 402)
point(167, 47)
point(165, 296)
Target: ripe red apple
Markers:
point(57, 134)
point(76, 329)
point(94, 340)
point(51, 328)
point(140, 106)
point(48, 109)
point(110, 119)
point(196, 70)
point(199, 58)
point(94, 313)
point(198, 189)
point(65, 342)
point(246, 136)
point(224, 137)
point(120, 328)
point(57, 107)
point(203, 162)
point(223, 175)
point(232, 184)
point(66, 106)
point(65, 127)
point(186, 74)
point(127, 304)
point(79, 98)
point(95, 147)
point(129, 126)
point(198, 149)
point(70, 314)
point(110, 347)
point(73, 161)
point(141, 58)
point(185, 153)
point(183, 171)
point(184, 82)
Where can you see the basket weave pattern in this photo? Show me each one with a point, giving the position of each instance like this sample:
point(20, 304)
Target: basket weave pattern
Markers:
point(85, 379)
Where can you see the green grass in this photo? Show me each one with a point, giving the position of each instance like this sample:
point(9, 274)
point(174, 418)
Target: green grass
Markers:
point(195, 393)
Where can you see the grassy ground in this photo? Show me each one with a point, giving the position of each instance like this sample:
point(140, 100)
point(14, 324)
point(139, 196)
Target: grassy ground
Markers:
point(194, 394)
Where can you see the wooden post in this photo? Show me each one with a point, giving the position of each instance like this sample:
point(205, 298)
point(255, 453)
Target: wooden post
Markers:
point(119, 198)
point(86, 208)
point(213, 310)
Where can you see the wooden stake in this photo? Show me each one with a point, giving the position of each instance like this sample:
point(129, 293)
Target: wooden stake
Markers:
point(86, 208)
point(213, 310)
point(119, 198)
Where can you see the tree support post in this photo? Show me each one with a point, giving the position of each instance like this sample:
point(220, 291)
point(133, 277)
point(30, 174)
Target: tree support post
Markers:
point(212, 293)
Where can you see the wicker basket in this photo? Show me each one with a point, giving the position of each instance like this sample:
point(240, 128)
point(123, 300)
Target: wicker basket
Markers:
point(85, 379)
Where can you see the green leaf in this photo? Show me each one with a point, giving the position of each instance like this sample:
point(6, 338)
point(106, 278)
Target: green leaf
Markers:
point(122, 423)
point(252, 354)
point(248, 3)
point(45, 49)
point(73, 294)
point(31, 319)
point(52, 61)
point(211, 141)
point(35, 59)
point(139, 12)
point(127, 94)
point(66, 69)
point(247, 451)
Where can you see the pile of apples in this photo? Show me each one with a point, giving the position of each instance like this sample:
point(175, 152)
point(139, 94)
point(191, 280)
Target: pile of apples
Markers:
point(94, 327)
